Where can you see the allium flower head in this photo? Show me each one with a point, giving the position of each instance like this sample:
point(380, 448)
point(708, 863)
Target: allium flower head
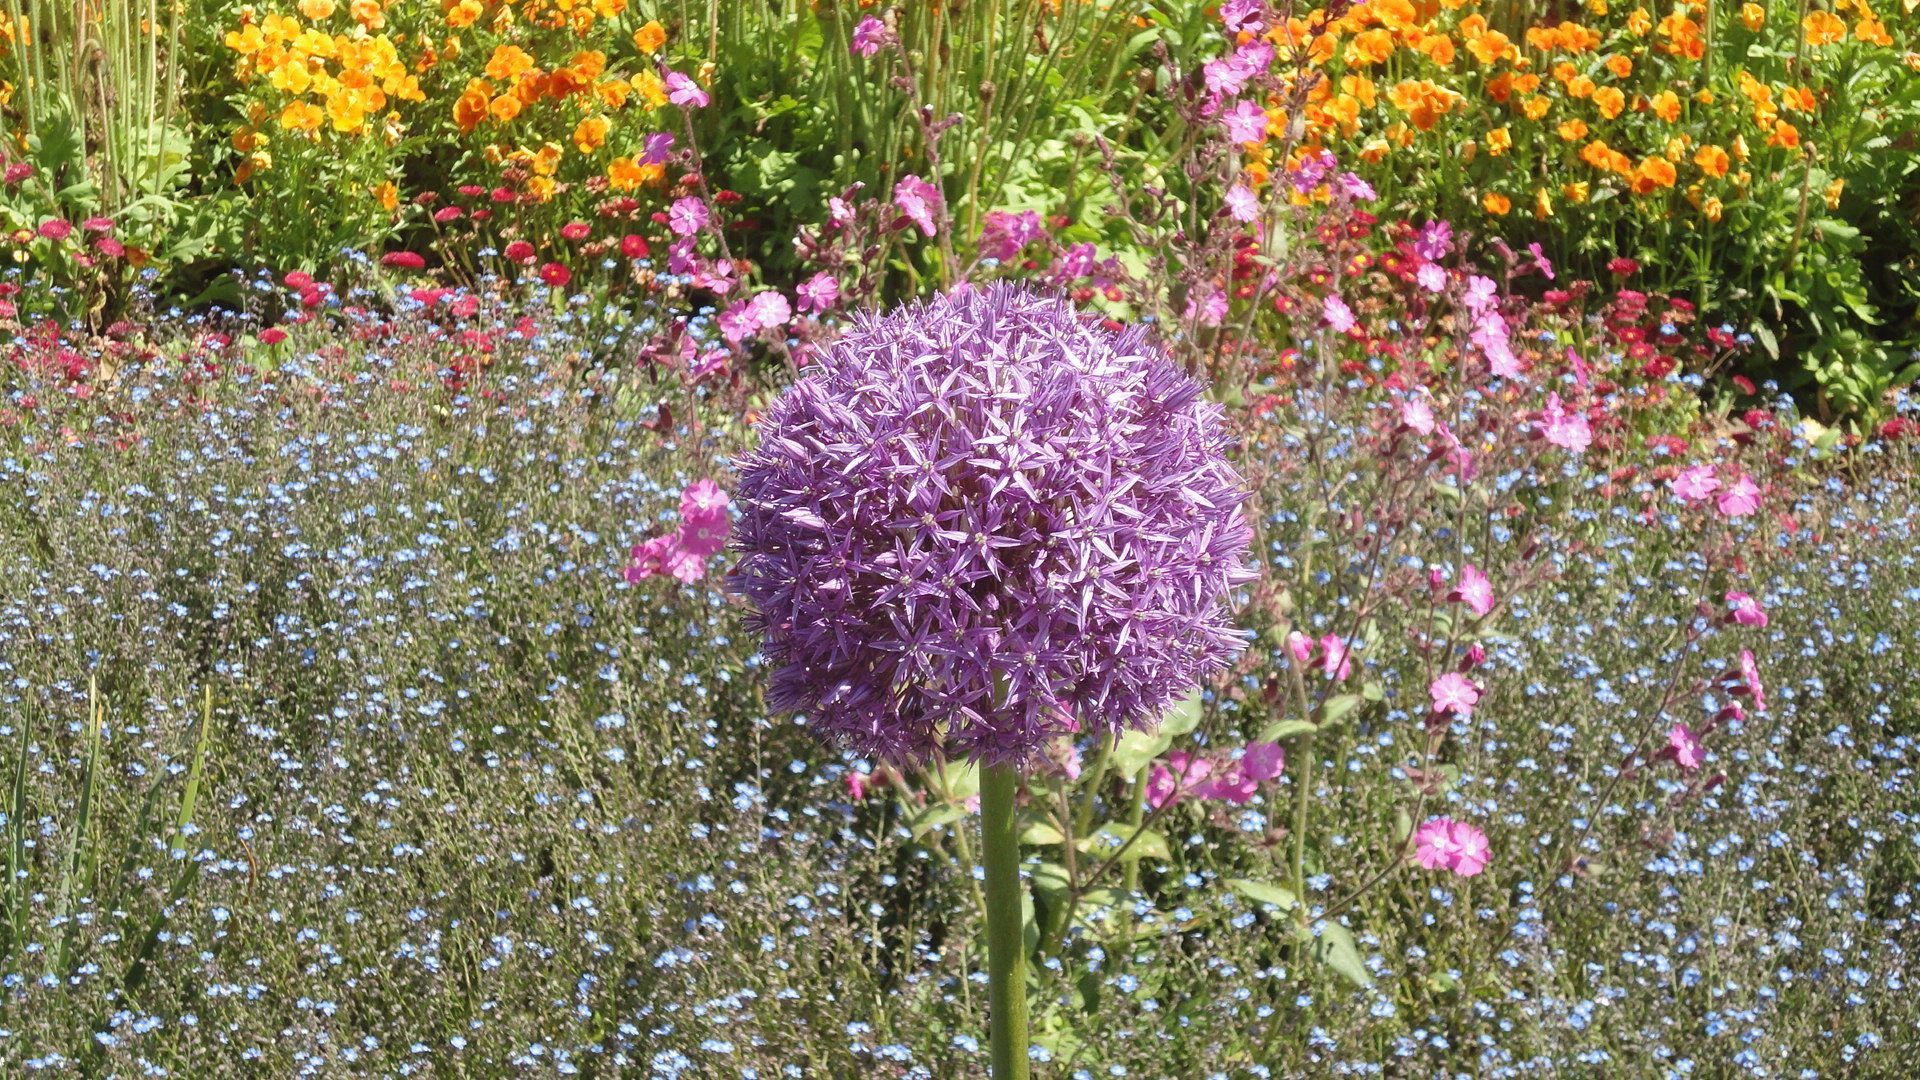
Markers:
point(982, 519)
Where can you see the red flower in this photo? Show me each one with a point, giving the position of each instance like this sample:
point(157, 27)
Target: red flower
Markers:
point(98, 224)
point(470, 190)
point(555, 275)
point(447, 213)
point(633, 247)
point(405, 259)
point(299, 279)
point(1623, 267)
point(520, 251)
point(109, 247)
point(503, 194)
point(1745, 384)
point(56, 229)
point(273, 336)
point(575, 230)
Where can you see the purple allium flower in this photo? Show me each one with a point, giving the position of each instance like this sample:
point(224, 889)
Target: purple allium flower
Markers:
point(982, 521)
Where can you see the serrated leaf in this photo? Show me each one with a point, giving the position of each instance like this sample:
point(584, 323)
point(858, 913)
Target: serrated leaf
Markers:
point(1278, 895)
point(1285, 729)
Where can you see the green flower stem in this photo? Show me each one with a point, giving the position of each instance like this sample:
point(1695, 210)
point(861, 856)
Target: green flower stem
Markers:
point(1006, 949)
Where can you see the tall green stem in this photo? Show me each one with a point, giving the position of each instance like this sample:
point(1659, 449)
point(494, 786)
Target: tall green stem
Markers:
point(1006, 947)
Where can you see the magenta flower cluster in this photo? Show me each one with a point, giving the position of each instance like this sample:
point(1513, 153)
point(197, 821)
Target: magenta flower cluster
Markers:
point(683, 552)
point(983, 521)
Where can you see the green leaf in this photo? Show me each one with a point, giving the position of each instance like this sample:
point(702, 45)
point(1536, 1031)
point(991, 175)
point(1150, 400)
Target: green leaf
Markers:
point(1766, 339)
point(1333, 946)
point(1278, 895)
point(929, 818)
point(1107, 839)
point(1037, 832)
point(1183, 717)
point(1286, 729)
point(1373, 691)
point(1134, 749)
point(1339, 708)
point(1050, 879)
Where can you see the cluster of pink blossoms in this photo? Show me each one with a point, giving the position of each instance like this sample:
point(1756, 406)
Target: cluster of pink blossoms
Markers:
point(1235, 781)
point(683, 552)
point(1446, 844)
point(1700, 483)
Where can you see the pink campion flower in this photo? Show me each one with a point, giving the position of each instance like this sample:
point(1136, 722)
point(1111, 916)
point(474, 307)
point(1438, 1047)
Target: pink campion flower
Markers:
point(771, 310)
point(1339, 316)
point(1299, 646)
point(1245, 123)
point(1227, 75)
point(1454, 693)
point(839, 211)
point(1242, 203)
point(1685, 746)
point(1540, 260)
point(56, 229)
point(1417, 414)
point(1312, 170)
point(710, 361)
point(1232, 783)
point(683, 91)
point(703, 517)
point(1435, 240)
point(655, 148)
point(1431, 277)
point(1336, 657)
point(718, 277)
point(687, 216)
point(1476, 655)
point(1475, 590)
point(1207, 306)
point(1076, 264)
point(1458, 454)
point(1745, 610)
point(1179, 776)
point(1565, 428)
point(1065, 756)
point(1750, 676)
point(857, 784)
point(736, 322)
point(868, 37)
point(1482, 294)
point(1471, 850)
point(1238, 15)
point(818, 292)
point(1696, 483)
point(1005, 234)
point(1740, 499)
point(1264, 761)
point(1490, 334)
point(1255, 56)
point(684, 564)
point(919, 201)
point(650, 557)
point(1356, 188)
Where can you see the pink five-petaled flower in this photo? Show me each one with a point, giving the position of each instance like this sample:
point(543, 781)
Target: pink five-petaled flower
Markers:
point(1299, 646)
point(1431, 277)
point(1238, 781)
point(1336, 657)
point(1417, 414)
point(1242, 203)
point(1245, 123)
point(1750, 677)
point(1475, 590)
point(1006, 234)
point(818, 292)
point(655, 148)
point(1565, 428)
point(1237, 15)
point(1740, 499)
point(1454, 693)
point(919, 201)
point(1181, 775)
point(1435, 240)
point(1745, 610)
point(1696, 483)
point(1685, 746)
point(1339, 315)
point(868, 37)
point(1446, 844)
point(703, 517)
point(683, 91)
point(687, 216)
point(857, 784)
